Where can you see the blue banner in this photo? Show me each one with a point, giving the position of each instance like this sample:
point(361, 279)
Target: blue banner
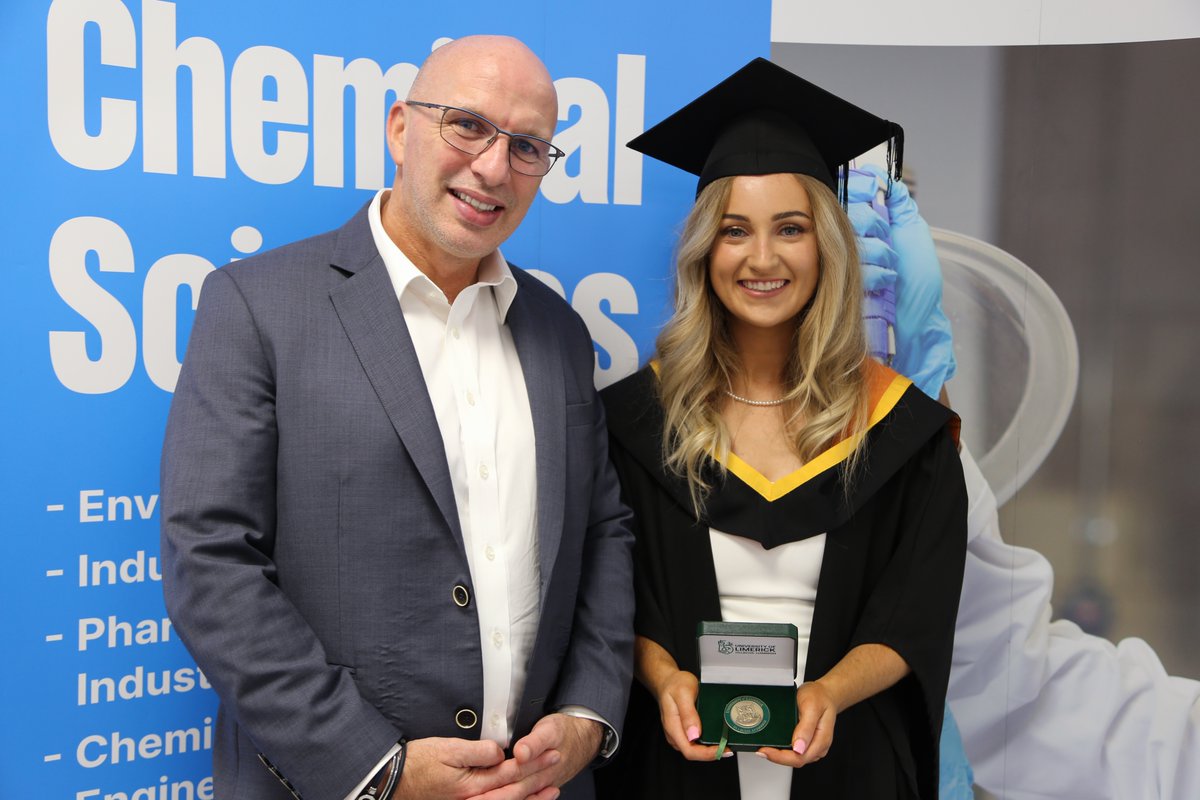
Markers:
point(151, 142)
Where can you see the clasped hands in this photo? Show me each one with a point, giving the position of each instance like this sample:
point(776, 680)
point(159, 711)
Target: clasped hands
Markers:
point(811, 737)
point(557, 748)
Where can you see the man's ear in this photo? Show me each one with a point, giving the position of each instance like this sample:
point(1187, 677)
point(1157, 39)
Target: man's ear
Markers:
point(396, 121)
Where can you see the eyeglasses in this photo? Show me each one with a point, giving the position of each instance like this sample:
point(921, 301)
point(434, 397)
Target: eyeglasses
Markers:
point(471, 133)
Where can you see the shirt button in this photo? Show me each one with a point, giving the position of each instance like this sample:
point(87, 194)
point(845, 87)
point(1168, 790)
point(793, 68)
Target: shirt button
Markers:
point(490, 552)
point(498, 639)
point(454, 332)
point(483, 471)
point(470, 399)
point(495, 720)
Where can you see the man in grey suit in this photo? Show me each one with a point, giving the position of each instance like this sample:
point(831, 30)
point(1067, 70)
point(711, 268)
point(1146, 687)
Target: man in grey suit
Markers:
point(391, 535)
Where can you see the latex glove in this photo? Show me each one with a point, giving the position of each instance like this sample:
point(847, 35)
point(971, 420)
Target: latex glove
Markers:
point(924, 348)
point(879, 263)
point(955, 777)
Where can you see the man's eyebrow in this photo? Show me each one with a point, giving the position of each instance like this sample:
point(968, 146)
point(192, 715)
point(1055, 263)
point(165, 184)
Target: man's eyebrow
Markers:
point(494, 125)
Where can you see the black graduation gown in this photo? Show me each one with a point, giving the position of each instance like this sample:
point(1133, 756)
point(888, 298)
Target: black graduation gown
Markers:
point(891, 574)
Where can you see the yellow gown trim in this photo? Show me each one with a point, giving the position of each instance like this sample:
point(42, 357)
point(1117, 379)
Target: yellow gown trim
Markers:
point(773, 490)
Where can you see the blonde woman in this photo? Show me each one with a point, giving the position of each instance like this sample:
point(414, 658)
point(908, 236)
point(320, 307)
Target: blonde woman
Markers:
point(777, 474)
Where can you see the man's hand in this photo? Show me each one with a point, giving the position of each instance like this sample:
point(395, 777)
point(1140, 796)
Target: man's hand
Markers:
point(455, 769)
point(574, 741)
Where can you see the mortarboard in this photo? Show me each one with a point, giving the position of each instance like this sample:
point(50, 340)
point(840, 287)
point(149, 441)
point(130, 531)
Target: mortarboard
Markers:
point(763, 119)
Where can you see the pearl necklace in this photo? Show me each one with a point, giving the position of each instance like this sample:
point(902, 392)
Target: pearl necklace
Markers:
point(750, 402)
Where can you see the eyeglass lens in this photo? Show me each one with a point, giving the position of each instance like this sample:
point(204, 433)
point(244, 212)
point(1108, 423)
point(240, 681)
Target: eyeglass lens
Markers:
point(472, 133)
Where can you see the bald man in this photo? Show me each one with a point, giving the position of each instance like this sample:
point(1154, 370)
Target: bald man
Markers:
point(391, 535)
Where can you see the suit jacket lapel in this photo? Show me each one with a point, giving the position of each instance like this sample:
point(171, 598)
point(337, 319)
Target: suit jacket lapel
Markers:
point(367, 307)
point(541, 361)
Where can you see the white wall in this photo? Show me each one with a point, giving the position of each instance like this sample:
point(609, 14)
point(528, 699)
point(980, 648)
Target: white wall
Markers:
point(929, 91)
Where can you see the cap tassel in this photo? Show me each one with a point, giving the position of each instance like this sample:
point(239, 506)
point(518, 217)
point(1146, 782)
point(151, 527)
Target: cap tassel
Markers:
point(895, 154)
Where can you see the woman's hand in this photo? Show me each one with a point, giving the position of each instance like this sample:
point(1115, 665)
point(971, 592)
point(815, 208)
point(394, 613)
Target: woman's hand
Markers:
point(680, 721)
point(865, 671)
point(676, 691)
point(813, 734)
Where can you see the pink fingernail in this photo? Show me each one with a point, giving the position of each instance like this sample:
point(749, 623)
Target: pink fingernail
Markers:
point(759, 754)
point(727, 754)
point(693, 733)
point(800, 746)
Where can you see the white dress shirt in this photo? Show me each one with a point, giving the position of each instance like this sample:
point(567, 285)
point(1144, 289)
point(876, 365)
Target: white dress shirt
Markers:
point(473, 374)
point(477, 388)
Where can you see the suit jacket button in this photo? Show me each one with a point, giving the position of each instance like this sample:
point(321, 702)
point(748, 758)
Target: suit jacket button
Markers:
point(461, 596)
point(466, 718)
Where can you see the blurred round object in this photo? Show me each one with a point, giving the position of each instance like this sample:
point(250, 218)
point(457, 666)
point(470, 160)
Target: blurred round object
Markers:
point(1018, 361)
point(1090, 606)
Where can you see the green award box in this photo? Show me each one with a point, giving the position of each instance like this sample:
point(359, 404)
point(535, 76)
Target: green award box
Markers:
point(747, 684)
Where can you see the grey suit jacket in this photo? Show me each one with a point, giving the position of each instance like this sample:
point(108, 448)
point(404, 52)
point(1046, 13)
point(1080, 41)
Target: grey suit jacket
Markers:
point(311, 545)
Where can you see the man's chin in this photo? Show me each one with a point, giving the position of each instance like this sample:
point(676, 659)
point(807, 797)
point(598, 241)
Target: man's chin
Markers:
point(473, 243)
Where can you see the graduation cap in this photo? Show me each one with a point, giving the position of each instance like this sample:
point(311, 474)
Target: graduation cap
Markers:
point(761, 120)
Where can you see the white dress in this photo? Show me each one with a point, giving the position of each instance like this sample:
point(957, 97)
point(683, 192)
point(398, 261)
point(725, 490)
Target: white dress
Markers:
point(760, 585)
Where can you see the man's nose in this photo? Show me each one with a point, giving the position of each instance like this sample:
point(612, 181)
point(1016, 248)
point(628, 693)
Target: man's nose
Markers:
point(492, 164)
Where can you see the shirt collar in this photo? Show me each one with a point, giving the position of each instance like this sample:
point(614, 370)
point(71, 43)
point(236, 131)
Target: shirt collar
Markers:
point(494, 271)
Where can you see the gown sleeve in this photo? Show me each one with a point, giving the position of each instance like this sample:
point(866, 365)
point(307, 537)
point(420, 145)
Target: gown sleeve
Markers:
point(913, 605)
point(649, 619)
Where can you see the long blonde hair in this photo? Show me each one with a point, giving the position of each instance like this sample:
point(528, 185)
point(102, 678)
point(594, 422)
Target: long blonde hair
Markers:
point(825, 371)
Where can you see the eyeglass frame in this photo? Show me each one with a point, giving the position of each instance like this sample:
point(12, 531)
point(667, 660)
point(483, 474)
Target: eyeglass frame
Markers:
point(555, 153)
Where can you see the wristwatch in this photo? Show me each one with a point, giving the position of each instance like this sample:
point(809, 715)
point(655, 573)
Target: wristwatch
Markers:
point(608, 743)
point(381, 786)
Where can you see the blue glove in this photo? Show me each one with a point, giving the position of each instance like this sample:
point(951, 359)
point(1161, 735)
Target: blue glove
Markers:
point(923, 347)
point(879, 263)
point(956, 778)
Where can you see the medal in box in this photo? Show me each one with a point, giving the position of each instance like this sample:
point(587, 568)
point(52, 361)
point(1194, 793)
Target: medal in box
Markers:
point(747, 684)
